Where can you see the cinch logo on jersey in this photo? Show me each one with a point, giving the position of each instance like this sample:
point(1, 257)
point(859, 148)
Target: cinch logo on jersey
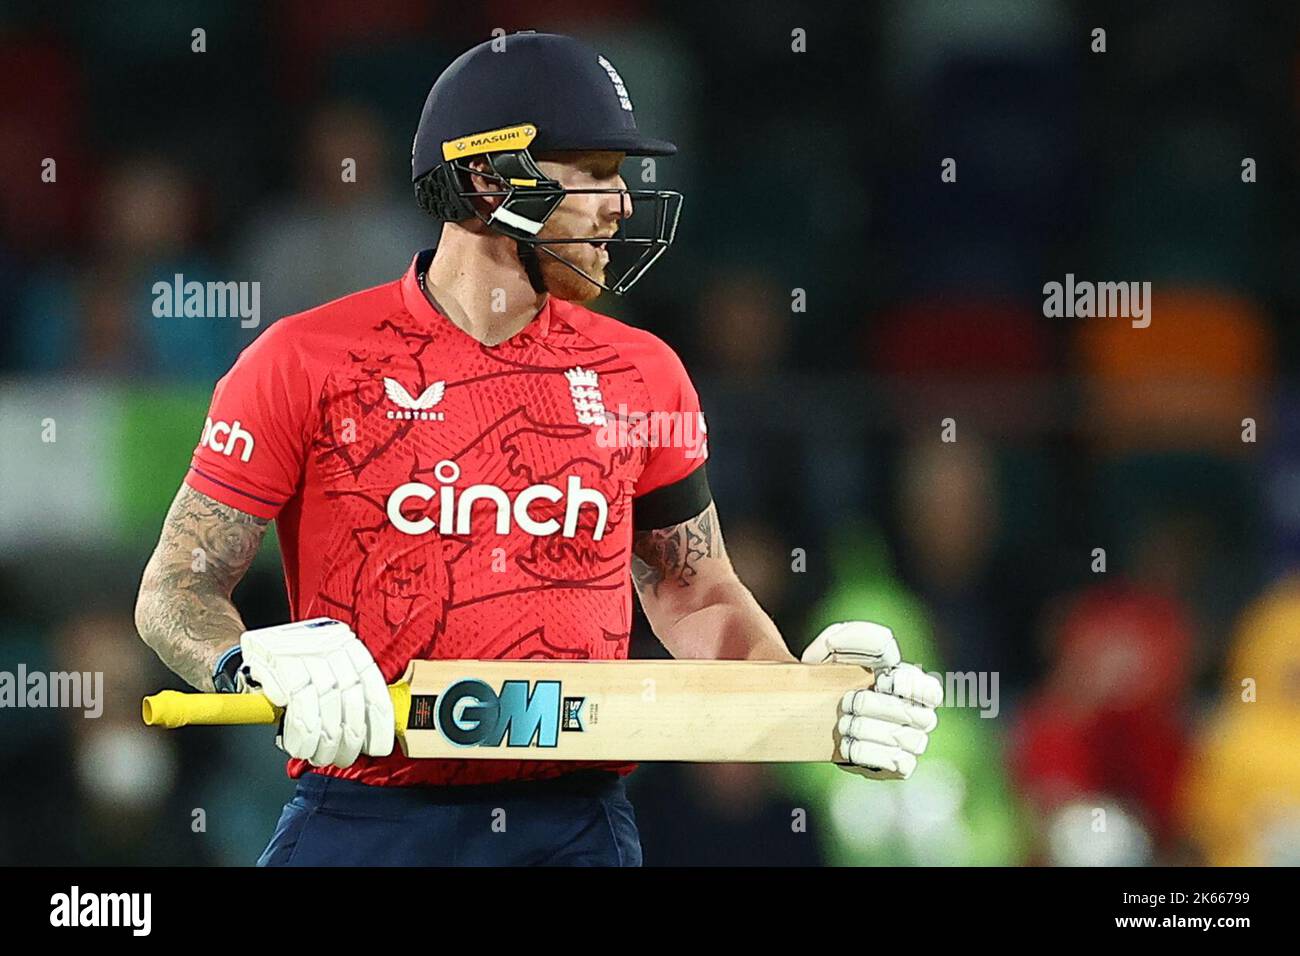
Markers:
point(455, 510)
point(470, 713)
point(221, 438)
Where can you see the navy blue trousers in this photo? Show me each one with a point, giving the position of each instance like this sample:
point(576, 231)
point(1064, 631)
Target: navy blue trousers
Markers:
point(580, 819)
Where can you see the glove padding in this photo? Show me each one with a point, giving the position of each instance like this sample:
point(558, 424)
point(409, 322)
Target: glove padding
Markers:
point(855, 642)
point(336, 704)
point(883, 729)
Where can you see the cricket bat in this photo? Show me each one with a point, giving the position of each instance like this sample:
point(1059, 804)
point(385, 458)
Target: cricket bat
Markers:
point(667, 710)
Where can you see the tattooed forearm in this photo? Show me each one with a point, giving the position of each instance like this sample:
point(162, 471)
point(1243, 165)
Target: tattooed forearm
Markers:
point(696, 604)
point(672, 555)
point(184, 611)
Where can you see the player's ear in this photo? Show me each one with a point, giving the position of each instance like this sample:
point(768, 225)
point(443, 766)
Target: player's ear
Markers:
point(482, 184)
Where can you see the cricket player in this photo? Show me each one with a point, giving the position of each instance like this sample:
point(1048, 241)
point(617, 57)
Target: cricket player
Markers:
point(444, 461)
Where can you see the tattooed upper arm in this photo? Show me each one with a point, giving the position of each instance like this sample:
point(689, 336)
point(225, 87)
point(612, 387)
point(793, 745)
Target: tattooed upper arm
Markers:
point(184, 611)
point(672, 557)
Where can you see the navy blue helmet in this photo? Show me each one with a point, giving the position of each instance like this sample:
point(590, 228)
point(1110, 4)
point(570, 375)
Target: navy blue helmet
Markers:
point(522, 94)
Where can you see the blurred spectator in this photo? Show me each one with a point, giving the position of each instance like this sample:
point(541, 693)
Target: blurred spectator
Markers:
point(949, 517)
point(124, 773)
point(99, 316)
point(1108, 727)
point(1241, 805)
point(1184, 525)
point(334, 236)
point(980, 580)
point(957, 808)
point(1183, 383)
point(311, 33)
point(980, 360)
point(744, 326)
point(744, 335)
point(44, 122)
point(92, 789)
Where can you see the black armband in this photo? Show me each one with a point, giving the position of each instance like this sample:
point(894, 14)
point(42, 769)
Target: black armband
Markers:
point(672, 504)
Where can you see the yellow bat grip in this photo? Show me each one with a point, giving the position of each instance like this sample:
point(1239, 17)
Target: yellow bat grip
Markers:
point(173, 708)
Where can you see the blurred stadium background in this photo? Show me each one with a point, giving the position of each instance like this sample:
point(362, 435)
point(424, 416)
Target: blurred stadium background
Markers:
point(817, 171)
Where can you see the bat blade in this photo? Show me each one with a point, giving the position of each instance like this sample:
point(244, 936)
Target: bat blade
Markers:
point(723, 711)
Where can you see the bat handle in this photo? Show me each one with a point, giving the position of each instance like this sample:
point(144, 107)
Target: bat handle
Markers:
point(174, 708)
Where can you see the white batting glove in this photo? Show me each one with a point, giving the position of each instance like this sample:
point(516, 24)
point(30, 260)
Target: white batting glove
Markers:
point(855, 642)
point(885, 728)
point(336, 705)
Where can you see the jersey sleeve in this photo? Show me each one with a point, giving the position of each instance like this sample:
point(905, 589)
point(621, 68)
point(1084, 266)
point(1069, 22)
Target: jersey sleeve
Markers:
point(672, 486)
point(254, 442)
point(680, 444)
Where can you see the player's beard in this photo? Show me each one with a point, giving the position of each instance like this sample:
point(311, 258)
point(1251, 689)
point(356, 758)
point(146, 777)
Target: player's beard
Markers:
point(562, 282)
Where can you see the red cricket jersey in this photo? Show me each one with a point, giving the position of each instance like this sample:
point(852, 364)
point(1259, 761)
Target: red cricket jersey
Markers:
point(445, 498)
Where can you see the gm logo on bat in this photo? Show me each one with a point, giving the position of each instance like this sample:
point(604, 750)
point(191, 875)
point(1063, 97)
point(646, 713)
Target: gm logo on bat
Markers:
point(523, 713)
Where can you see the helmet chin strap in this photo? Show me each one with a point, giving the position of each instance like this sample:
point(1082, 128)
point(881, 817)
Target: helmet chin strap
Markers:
point(533, 268)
